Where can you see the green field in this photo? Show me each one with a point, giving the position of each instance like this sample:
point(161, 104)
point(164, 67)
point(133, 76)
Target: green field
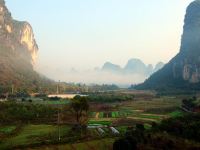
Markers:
point(33, 134)
point(108, 123)
point(176, 113)
point(40, 134)
point(7, 129)
point(52, 102)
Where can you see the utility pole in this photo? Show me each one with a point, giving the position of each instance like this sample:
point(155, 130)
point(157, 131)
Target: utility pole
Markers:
point(57, 92)
point(58, 87)
point(12, 87)
point(12, 90)
point(58, 125)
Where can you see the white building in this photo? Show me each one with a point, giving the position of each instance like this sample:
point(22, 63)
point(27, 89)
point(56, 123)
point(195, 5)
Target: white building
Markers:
point(68, 96)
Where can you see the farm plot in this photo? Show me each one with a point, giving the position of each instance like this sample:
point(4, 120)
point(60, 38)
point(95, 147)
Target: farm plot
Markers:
point(142, 111)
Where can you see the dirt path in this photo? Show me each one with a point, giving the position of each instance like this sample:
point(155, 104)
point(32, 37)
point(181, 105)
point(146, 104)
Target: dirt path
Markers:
point(72, 147)
point(97, 115)
point(144, 119)
point(155, 115)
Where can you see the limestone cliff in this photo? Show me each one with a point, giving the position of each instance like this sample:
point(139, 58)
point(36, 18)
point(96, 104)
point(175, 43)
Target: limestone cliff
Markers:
point(190, 43)
point(183, 71)
point(18, 52)
point(24, 34)
point(16, 34)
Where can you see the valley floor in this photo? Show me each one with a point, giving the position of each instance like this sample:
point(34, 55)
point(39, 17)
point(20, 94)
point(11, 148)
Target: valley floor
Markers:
point(121, 116)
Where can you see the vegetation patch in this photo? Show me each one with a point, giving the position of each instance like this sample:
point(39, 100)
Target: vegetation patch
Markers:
point(177, 113)
point(53, 102)
point(7, 129)
point(108, 123)
point(149, 116)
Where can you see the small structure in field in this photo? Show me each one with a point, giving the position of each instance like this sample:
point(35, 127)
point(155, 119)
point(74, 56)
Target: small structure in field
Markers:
point(95, 126)
point(101, 131)
point(3, 98)
point(114, 131)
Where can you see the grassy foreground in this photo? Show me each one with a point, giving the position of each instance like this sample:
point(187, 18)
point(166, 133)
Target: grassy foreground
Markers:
point(103, 144)
point(30, 135)
point(36, 135)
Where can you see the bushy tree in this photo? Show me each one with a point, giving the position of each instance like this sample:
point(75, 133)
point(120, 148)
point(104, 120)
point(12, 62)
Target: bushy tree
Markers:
point(80, 106)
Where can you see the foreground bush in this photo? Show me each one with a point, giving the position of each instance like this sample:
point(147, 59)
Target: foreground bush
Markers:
point(171, 134)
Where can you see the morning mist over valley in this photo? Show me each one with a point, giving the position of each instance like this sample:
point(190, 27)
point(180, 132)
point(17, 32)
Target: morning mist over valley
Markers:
point(100, 75)
point(114, 33)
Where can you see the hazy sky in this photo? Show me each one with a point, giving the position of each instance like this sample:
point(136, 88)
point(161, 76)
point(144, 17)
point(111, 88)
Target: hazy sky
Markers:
point(84, 34)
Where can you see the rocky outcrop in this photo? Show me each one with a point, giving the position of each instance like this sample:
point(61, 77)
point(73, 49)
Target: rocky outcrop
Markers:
point(18, 53)
point(190, 43)
point(183, 71)
point(17, 35)
point(25, 36)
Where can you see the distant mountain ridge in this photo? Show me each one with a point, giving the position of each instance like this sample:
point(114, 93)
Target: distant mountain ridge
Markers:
point(183, 71)
point(133, 66)
point(108, 66)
